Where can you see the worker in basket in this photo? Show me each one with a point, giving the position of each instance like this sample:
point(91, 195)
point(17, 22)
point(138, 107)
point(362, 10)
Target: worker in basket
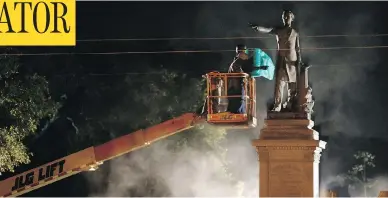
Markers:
point(242, 63)
point(219, 104)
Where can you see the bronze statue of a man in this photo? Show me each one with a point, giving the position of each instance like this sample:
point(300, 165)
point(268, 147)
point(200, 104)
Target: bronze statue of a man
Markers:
point(288, 61)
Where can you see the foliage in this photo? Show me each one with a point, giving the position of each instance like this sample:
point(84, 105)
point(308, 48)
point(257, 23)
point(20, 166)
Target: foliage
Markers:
point(358, 174)
point(24, 102)
point(136, 102)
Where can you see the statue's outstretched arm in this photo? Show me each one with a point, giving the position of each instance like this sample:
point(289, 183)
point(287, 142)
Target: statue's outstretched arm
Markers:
point(264, 30)
point(261, 29)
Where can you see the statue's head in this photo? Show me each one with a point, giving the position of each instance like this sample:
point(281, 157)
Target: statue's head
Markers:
point(241, 48)
point(288, 17)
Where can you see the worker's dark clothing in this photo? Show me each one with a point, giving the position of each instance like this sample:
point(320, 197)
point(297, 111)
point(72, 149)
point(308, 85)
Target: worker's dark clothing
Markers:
point(241, 64)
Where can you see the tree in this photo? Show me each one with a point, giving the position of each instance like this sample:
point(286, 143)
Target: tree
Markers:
point(131, 103)
point(358, 175)
point(24, 102)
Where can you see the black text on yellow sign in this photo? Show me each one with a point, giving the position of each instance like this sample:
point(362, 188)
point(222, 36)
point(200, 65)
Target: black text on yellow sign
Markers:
point(37, 23)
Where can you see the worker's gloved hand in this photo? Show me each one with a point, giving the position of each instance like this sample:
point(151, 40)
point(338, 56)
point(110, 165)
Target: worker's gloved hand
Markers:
point(263, 67)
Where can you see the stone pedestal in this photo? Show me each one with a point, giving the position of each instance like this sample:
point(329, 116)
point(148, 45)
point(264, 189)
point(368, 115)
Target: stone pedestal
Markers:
point(289, 152)
point(383, 194)
point(331, 193)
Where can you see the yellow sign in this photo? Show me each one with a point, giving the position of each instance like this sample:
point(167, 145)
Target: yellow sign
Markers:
point(37, 23)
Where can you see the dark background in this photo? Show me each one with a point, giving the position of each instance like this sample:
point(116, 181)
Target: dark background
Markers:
point(348, 84)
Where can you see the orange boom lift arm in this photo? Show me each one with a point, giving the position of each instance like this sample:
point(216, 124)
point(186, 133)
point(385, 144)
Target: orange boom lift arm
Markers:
point(89, 159)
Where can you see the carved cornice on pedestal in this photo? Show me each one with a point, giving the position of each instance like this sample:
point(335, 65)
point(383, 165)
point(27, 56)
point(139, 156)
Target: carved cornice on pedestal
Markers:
point(288, 115)
point(295, 150)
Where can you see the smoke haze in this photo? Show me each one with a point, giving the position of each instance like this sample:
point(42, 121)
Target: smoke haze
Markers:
point(345, 94)
point(192, 170)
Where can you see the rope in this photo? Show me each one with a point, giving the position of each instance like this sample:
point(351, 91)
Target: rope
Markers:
point(229, 38)
point(186, 51)
point(159, 73)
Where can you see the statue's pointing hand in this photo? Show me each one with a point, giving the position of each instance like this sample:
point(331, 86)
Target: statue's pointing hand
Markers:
point(253, 26)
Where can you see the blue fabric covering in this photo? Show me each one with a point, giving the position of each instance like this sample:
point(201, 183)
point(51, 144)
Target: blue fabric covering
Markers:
point(260, 60)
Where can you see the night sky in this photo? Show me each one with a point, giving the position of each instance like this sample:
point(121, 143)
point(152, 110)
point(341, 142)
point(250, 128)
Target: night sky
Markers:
point(348, 84)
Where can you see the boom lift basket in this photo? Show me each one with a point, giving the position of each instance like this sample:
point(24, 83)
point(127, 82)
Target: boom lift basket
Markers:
point(231, 99)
